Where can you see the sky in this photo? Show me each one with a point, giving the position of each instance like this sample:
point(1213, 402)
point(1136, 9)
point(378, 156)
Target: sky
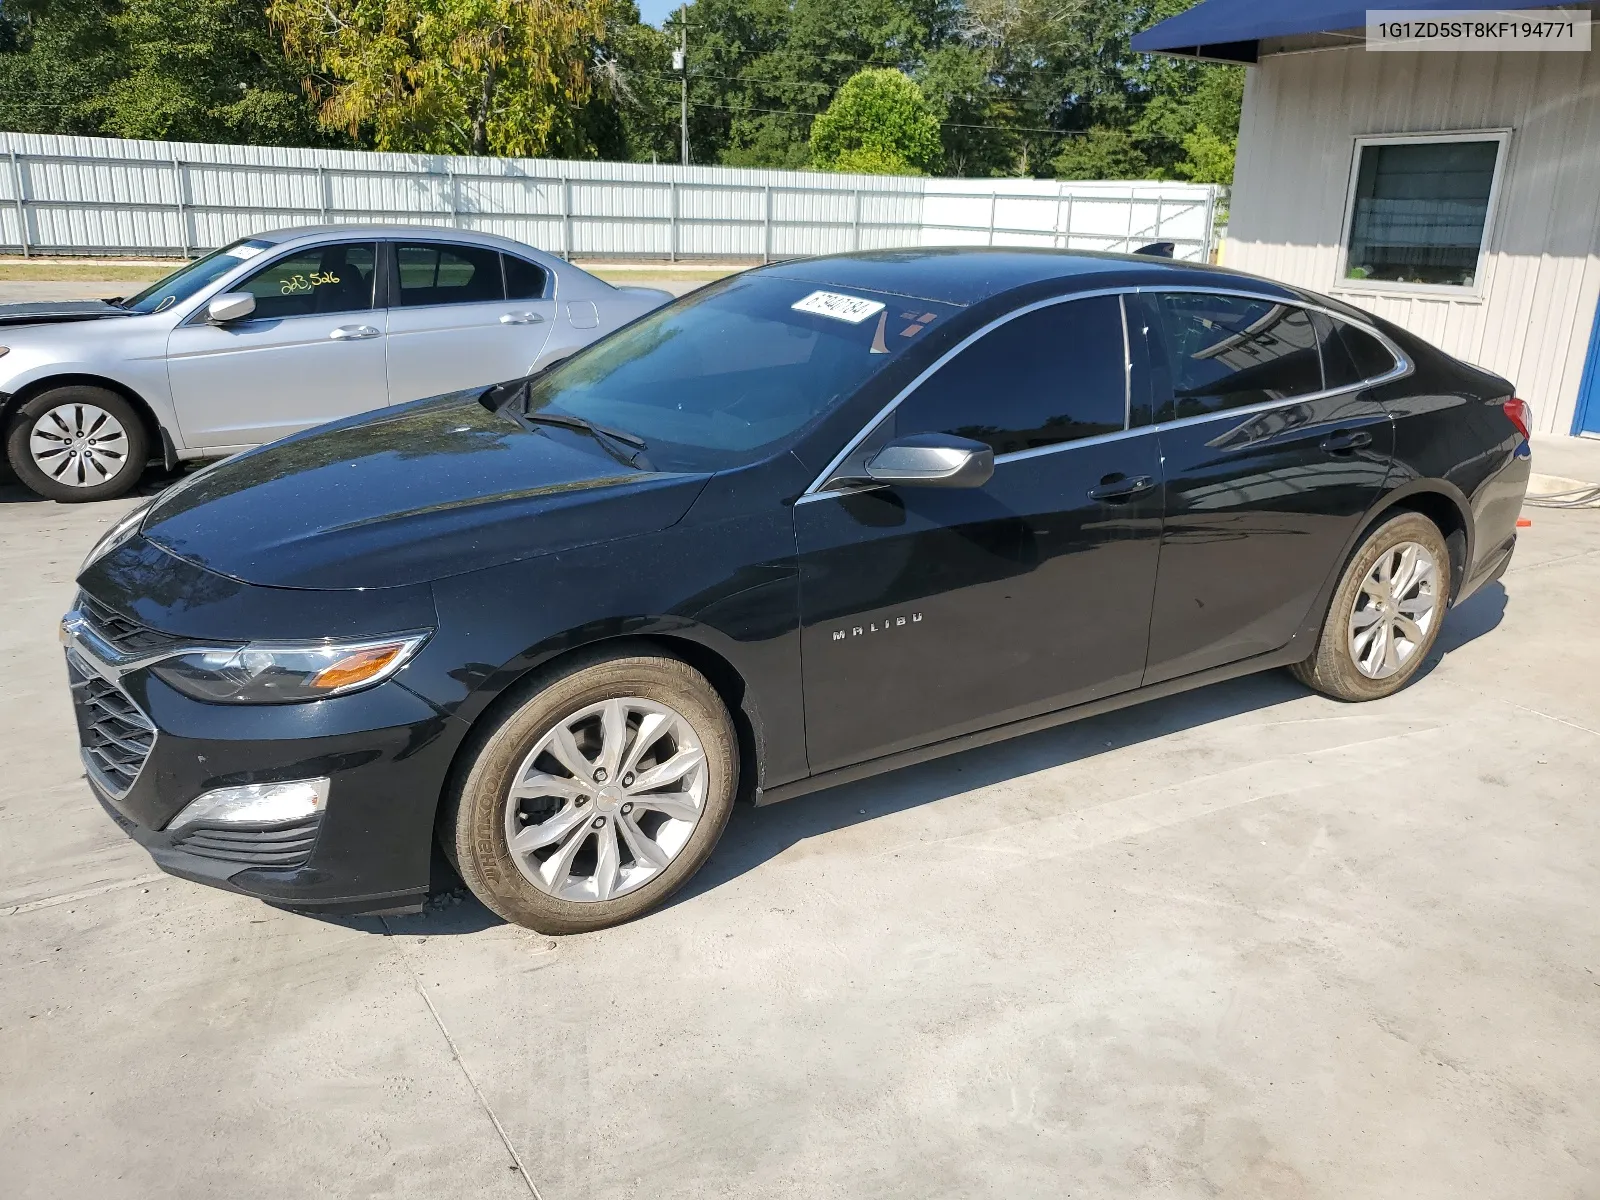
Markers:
point(652, 12)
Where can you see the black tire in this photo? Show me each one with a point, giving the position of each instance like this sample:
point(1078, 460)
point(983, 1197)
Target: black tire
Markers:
point(473, 819)
point(66, 402)
point(1332, 668)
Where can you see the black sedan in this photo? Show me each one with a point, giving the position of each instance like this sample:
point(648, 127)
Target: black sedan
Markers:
point(814, 522)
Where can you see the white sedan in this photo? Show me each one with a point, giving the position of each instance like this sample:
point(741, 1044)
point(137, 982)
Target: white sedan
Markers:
point(279, 332)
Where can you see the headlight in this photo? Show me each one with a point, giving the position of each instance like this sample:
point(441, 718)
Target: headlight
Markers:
point(115, 536)
point(287, 673)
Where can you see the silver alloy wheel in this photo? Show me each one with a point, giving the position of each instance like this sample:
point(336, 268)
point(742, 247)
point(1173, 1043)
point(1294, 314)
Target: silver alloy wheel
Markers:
point(80, 445)
point(1394, 610)
point(606, 800)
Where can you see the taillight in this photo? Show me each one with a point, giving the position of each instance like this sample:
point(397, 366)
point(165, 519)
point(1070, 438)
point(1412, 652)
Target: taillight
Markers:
point(1520, 414)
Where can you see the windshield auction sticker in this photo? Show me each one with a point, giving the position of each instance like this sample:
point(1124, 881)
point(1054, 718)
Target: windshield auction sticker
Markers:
point(854, 309)
point(1478, 29)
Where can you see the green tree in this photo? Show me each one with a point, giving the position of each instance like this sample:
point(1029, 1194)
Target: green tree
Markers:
point(975, 114)
point(879, 122)
point(450, 76)
point(1102, 153)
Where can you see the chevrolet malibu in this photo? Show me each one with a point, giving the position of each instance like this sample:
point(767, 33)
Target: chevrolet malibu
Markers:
point(274, 334)
point(808, 524)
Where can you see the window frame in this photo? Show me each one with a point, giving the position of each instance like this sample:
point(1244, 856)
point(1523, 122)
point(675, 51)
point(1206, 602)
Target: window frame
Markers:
point(1477, 289)
point(818, 489)
point(397, 288)
point(505, 280)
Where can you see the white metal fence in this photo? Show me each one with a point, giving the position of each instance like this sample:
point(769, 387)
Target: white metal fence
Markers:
point(81, 195)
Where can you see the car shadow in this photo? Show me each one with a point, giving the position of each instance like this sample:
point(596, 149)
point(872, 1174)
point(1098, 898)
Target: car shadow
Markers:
point(757, 835)
point(154, 481)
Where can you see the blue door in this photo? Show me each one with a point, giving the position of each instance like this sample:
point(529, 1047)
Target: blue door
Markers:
point(1587, 418)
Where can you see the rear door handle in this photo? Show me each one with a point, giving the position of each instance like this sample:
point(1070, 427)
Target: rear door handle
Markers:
point(1345, 441)
point(353, 333)
point(1114, 489)
point(522, 318)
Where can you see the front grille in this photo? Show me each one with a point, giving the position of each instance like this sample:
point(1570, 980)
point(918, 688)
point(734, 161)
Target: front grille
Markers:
point(286, 845)
point(125, 634)
point(116, 737)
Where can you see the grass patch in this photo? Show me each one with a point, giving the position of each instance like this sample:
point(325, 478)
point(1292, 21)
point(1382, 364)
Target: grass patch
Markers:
point(639, 274)
point(54, 272)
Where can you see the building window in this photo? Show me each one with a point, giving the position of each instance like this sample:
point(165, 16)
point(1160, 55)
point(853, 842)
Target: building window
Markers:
point(1420, 208)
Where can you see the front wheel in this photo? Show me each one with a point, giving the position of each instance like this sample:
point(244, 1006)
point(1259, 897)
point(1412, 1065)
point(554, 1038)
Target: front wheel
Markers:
point(1385, 614)
point(76, 444)
point(597, 798)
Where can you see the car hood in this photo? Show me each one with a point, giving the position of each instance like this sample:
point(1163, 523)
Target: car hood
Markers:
point(53, 312)
point(419, 492)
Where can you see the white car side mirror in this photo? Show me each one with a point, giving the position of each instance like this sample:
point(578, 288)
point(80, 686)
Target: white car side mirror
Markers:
point(230, 306)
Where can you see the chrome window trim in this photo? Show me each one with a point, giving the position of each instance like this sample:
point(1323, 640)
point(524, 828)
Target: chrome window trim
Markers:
point(1402, 368)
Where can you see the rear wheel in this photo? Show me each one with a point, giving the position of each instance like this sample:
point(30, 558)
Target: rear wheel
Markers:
point(77, 443)
point(1385, 614)
point(597, 798)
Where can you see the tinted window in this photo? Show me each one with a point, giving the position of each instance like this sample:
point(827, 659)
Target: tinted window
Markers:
point(437, 274)
point(1053, 375)
point(524, 281)
point(191, 277)
point(1227, 352)
point(323, 279)
point(1370, 355)
point(1420, 209)
point(721, 376)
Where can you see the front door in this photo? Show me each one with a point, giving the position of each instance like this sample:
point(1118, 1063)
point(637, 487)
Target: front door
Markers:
point(455, 325)
point(927, 612)
point(1273, 452)
point(311, 352)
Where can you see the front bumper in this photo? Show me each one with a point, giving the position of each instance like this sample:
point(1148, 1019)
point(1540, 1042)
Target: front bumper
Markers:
point(386, 753)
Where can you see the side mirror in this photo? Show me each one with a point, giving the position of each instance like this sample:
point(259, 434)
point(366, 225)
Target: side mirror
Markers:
point(932, 460)
point(230, 306)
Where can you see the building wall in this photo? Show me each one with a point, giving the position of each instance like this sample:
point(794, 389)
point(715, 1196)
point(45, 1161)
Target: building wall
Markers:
point(1532, 323)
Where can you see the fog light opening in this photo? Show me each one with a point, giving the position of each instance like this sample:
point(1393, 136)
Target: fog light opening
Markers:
point(255, 804)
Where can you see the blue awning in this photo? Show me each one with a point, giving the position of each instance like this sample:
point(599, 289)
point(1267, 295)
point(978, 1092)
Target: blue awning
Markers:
point(1233, 29)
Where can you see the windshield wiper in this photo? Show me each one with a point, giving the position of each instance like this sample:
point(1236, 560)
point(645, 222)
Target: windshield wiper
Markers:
point(600, 433)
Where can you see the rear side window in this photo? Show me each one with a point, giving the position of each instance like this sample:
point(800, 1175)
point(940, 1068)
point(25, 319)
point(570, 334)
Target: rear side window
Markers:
point(1227, 352)
point(1053, 375)
point(433, 273)
point(1350, 355)
point(322, 279)
point(524, 281)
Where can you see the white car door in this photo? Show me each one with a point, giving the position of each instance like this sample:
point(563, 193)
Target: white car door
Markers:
point(463, 319)
point(311, 352)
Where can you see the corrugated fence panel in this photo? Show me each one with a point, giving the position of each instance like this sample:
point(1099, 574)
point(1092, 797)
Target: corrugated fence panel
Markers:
point(83, 195)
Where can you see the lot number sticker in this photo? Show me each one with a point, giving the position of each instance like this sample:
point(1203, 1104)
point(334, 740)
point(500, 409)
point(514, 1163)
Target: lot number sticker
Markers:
point(841, 308)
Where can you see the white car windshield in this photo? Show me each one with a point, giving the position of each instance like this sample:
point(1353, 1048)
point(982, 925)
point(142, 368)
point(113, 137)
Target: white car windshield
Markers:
point(190, 278)
point(718, 378)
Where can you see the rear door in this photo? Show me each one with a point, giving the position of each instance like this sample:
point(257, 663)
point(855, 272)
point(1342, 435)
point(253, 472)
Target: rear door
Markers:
point(930, 612)
point(312, 351)
point(1268, 469)
point(461, 317)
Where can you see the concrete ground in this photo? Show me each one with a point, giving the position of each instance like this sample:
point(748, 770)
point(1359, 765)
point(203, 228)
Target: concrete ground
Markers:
point(1246, 942)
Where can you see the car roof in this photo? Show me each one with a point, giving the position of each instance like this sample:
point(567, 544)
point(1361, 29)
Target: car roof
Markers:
point(965, 276)
point(392, 231)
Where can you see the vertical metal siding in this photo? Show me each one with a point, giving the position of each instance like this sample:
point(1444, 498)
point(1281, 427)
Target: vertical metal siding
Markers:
point(1541, 274)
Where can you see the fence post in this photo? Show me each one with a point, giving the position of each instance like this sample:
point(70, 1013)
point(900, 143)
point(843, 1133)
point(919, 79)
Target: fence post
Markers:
point(994, 200)
point(1212, 250)
point(1066, 230)
point(455, 199)
point(322, 191)
point(672, 220)
point(855, 224)
point(566, 218)
point(183, 216)
point(22, 206)
point(1127, 239)
point(1161, 202)
point(766, 233)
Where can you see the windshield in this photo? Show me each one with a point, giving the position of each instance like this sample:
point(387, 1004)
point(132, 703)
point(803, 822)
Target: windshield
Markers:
point(719, 378)
point(191, 277)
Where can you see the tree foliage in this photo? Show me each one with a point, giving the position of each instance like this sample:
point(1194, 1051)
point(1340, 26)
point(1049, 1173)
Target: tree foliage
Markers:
point(1008, 87)
point(879, 122)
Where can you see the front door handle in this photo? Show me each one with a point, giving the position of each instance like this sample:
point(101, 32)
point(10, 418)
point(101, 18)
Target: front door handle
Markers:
point(1346, 441)
point(353, 333)
point(522, 318)
point(1114, 489)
